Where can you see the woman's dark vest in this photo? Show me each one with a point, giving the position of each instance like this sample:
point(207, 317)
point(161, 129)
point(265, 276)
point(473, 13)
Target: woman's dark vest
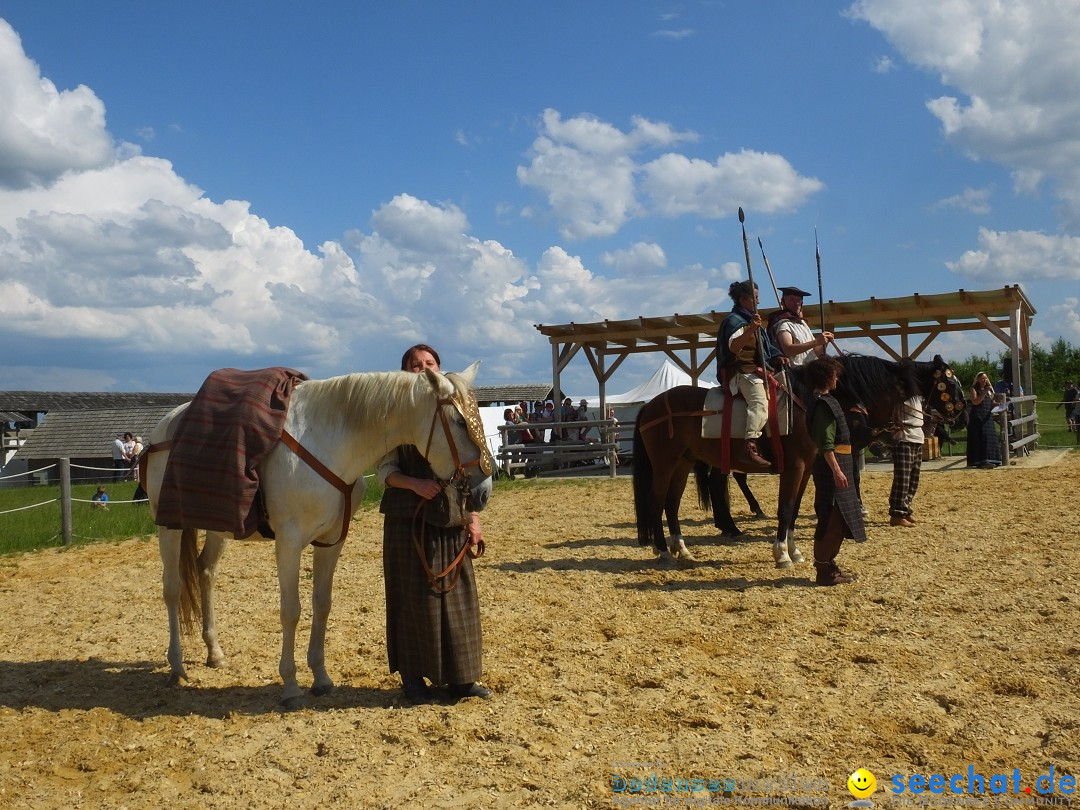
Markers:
point(398, 502)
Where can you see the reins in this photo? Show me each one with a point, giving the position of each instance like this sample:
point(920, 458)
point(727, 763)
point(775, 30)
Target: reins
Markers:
point(439, 582)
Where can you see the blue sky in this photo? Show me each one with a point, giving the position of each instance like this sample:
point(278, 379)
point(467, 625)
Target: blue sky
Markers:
point(188, 187)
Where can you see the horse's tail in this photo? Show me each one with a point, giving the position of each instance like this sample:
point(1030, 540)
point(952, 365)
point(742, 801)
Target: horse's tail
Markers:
point(190, 598)
point(701, 477)
point(643, 481)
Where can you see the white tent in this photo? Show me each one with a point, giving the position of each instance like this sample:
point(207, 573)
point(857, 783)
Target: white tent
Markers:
point(628, 403)
point(666, 376)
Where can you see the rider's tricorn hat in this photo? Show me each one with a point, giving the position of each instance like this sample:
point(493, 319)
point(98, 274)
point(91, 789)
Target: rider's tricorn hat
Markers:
point(793, 291)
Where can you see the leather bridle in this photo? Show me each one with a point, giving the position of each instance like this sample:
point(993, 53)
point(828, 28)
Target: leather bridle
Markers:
point(456, 487)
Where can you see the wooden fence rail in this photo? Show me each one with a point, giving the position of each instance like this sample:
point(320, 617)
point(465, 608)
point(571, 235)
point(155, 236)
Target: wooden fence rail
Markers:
point(562, 450)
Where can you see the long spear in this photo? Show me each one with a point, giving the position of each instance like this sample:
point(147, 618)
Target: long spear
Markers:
point(772, 280)
point(820, 294)
point(753, 288)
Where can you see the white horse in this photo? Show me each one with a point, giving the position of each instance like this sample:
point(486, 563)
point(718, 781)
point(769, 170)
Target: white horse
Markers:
point(347, 423)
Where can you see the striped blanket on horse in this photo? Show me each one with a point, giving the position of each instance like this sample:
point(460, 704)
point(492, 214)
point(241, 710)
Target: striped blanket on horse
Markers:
point(210, 480)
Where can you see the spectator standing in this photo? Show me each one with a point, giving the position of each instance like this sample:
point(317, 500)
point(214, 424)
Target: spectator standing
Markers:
point(983, 448)
point(1068, 399)
point(119, 458)
point(907, 462)
point(136, 451)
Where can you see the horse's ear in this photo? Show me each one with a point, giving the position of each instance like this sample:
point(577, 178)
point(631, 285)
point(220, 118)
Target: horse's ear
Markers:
point(436, 379)
point(469, 374)
point(938, 361)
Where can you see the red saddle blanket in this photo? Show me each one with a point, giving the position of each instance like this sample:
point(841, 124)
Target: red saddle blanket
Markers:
point(210, 479)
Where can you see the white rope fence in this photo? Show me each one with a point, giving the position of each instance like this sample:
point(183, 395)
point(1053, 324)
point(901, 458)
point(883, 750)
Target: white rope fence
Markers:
point(30, 506)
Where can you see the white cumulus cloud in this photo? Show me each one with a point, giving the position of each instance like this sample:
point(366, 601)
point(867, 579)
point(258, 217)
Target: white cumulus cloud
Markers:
point(597, 177)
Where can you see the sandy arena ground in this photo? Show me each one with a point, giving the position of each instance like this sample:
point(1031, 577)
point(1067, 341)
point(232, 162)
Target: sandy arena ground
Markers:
point(957, 647)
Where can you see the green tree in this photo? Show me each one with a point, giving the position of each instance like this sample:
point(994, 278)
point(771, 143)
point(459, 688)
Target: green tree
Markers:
point(1051, 369)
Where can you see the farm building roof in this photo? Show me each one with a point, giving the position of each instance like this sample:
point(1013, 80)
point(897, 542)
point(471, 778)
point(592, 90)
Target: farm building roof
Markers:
point(504, 394)
point(33, 402)
point(86, 433)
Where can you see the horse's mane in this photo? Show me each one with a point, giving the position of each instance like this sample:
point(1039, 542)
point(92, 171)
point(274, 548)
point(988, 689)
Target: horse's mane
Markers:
point(370, 395)
point(360, 395)
point(865, 378)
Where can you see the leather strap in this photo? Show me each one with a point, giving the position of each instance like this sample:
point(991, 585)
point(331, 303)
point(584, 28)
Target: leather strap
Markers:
point(329, 476)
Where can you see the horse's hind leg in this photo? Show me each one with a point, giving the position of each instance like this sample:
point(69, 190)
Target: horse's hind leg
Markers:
point(792, 484)
point(208, 563)
point(672, 500)
point(721, 505)
point(751, 501)
point(325, 562)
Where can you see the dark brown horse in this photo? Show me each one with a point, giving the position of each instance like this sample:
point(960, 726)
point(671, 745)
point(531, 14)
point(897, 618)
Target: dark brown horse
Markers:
point(878, 386)
point(668, 442)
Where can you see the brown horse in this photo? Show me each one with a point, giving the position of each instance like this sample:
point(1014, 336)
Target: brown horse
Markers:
point(667, 443)
point(878, 386)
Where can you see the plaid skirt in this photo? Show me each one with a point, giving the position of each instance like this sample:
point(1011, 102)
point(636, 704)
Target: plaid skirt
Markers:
point(434, 635)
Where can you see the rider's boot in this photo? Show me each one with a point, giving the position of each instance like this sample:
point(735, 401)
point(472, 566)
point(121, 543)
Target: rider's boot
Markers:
point(751, 456)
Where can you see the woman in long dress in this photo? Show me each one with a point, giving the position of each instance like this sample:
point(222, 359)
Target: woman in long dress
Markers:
point(983, 449)
point(429, 634)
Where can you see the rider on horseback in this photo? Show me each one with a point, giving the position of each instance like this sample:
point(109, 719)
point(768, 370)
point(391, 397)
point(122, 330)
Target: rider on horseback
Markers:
point(788, 329)
point(743, 349)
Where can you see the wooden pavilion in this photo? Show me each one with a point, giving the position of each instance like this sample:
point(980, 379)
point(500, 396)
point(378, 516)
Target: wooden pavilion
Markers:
point(915, 321)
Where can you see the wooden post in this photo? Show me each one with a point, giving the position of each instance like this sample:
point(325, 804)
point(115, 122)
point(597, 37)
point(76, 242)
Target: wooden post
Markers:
point(65, 500)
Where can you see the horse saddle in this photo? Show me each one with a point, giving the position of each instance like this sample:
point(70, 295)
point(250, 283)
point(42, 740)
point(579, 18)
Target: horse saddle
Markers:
point(718, 398)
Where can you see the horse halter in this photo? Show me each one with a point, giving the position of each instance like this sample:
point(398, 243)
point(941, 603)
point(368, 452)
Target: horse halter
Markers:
point(470, 412)
point(950, 405)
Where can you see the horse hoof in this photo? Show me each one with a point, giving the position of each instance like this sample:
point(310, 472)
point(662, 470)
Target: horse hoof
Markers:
point(322, 690)
point(176, 678)
point(215, 661)
point(291, 704)
point(783, 564)
point(798, 557)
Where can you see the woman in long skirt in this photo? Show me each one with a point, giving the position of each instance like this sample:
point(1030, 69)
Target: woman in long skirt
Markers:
point(983, 449)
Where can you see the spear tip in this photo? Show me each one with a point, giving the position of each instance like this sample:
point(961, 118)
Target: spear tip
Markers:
point(742, 216)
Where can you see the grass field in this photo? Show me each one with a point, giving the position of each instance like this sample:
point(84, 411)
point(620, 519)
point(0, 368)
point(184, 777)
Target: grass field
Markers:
point(30, 517)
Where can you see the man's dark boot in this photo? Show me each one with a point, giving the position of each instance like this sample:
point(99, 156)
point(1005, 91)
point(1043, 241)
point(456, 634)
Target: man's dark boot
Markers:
point(829, 573)
point(751, 456)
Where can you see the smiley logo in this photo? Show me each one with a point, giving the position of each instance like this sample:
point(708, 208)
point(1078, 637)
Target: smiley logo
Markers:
point(862, 784)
